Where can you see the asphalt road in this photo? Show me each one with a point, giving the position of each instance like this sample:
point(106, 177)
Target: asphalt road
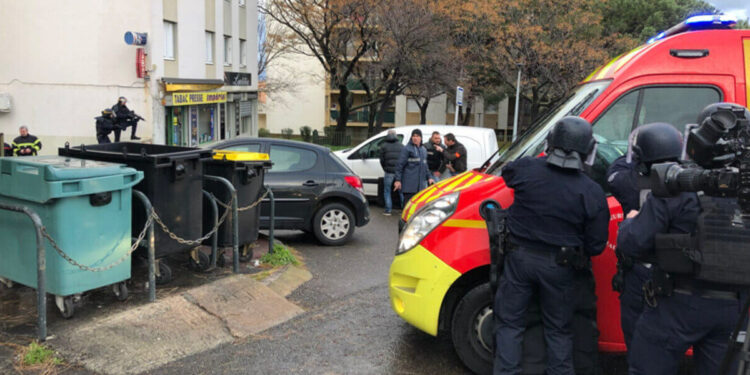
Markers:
point(348, 326)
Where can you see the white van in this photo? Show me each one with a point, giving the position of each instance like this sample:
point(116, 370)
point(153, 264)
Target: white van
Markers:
point(364, 158)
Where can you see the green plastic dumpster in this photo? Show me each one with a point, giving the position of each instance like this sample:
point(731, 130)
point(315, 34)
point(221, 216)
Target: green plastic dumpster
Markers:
point(85, 207)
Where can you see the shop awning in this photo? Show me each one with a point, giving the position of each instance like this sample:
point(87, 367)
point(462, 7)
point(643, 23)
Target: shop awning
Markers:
point(189, 84)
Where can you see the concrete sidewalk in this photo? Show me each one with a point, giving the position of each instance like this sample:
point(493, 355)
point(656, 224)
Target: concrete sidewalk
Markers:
point(198, 319)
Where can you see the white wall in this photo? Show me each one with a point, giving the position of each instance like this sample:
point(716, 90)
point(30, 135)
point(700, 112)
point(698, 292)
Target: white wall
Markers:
point(305, 104)
point(191, 39)
point(63, 62)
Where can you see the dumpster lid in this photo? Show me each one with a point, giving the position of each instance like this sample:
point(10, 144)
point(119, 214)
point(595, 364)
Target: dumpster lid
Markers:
point(57, 168)
point(239, 155)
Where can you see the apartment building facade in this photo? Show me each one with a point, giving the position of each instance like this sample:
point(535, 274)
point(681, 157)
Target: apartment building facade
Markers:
point(194, 80)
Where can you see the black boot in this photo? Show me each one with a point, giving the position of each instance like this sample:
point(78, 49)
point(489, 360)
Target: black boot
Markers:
point(132, 133)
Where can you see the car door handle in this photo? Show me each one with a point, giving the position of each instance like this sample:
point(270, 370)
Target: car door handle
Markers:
point(310, 183)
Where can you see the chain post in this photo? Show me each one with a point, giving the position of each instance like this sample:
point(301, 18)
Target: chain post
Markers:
point(235, 224)
point(272, 219)
point(41, 269)
point(215, 238)
point(151, 252)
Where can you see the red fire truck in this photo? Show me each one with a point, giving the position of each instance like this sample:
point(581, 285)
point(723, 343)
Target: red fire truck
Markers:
point(438, 278)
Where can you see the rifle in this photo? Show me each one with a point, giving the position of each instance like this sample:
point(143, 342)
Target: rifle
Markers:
point(497, 230)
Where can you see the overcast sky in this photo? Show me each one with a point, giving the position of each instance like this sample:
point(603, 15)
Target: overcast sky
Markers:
point(738, 8)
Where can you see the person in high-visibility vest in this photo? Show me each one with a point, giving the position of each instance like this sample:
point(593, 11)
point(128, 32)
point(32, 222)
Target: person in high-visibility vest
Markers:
point(26, 144)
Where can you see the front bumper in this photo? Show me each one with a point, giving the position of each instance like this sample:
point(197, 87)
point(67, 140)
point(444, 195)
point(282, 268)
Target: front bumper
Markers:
point(418, 282)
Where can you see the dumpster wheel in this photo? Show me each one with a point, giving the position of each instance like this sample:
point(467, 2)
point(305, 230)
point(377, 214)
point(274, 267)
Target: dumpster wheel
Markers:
point(199, 261)
point(65, 305)
point(164, 273)
point(121, 291)
point(246, 253)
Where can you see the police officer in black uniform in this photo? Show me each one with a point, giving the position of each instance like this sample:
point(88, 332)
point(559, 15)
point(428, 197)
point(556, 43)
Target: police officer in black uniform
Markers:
point(105, 124)
point(648, 144)
point(547, 237)
point(680, 312)
point(124, 118)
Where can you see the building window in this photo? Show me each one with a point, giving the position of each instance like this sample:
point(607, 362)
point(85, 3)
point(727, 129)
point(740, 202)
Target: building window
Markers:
point(242, 3)
point(243, 52)
point(169, 39)
point(227, 50)
point(209, 47)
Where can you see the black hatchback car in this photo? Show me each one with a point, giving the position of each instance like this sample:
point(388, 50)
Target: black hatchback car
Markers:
point(314, 190)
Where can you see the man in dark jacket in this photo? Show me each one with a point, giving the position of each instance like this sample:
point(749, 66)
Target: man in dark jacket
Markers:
point(412, 174)
point(105, 124)
point(26, 144)
point(435, 160)
point(454, 155)
point(390, 150)
point(8, 151)
point(124, 117)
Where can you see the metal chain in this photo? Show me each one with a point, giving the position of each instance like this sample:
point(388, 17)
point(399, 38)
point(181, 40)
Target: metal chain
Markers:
point(154, 217)
point(198, 241)
point(72, 261)
point(248, 207)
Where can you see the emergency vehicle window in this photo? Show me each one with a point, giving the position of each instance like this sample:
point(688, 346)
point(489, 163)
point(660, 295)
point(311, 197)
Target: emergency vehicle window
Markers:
point(675, 105)
point(611, 131)
point(291, 159)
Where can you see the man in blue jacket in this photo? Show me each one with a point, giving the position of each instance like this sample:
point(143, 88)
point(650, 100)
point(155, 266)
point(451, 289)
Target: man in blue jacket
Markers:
point(412, 173)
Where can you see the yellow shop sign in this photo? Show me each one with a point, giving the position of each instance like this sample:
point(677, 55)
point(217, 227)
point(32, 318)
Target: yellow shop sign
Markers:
point(193, 98)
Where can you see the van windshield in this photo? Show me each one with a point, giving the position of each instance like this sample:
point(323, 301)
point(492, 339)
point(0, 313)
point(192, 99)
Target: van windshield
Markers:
point(531, 141)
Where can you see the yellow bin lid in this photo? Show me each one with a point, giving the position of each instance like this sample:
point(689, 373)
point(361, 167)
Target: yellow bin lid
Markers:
point(239, 155)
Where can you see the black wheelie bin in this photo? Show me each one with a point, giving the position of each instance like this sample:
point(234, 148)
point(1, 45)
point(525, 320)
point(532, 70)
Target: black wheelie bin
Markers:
point(246, 171)
point(173, 182)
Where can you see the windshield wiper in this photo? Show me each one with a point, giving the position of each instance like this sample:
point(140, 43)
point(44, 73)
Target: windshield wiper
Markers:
point(575, 111)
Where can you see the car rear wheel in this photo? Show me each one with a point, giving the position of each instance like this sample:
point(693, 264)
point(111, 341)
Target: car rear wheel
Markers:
point(472, 329)
point(333, 224)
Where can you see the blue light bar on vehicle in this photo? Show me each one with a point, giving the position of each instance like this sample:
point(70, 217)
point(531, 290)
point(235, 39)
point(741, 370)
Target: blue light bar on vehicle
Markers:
point(711, 21)
point(699, 22)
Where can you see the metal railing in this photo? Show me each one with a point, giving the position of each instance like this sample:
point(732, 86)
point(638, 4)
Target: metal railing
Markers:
point(41, 268)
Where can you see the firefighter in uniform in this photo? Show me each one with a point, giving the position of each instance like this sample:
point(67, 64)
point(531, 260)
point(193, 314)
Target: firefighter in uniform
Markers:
point(105, 124)
point(547, 239)
point(648, 144)
point(26, 144)
point(680, 311)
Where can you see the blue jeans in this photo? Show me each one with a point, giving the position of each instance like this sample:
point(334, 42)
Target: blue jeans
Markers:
point(388, 180)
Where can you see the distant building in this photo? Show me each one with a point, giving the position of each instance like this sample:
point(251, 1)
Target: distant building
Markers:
point(63, 62)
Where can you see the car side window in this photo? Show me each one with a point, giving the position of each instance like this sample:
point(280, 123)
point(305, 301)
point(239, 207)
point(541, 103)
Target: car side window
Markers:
point(372, 149)
point(643, 106)
point(291, 159)
point(249, 147)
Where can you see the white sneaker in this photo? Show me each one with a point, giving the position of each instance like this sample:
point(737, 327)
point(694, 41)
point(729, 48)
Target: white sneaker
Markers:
point(386, 213)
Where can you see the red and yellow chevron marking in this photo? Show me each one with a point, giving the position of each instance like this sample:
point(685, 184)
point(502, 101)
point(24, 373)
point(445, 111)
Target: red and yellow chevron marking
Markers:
point(609, 70)
point(456, 183)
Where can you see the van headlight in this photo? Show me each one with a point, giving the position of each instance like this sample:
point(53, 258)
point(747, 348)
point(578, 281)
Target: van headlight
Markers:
point(425, 220)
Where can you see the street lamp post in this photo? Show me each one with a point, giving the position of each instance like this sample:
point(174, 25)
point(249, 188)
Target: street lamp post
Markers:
point(518, 96)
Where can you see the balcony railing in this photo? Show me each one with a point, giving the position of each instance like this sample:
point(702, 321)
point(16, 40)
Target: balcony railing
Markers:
point(364, 116)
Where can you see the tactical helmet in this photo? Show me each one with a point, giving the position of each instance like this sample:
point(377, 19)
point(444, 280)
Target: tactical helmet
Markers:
point(106, 112)
point(657, 142)
point(570, 142)
point(122, 99)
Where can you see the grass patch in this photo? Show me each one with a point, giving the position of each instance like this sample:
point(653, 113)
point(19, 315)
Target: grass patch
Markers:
point(281, 256)
point(37, 354)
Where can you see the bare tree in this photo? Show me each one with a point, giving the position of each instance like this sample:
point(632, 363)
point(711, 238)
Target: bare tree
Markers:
point(275, 43)
point(338, 33)
point(409, 49)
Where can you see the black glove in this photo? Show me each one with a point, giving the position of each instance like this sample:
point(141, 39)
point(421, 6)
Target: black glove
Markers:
point(618, 281)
